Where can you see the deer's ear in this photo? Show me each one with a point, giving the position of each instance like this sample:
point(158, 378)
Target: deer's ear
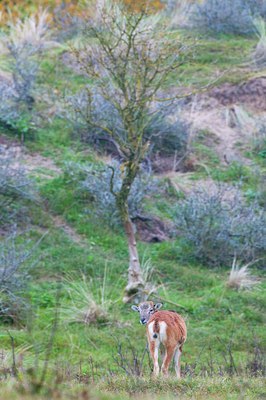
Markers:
point(135, 308)
point(157, 306)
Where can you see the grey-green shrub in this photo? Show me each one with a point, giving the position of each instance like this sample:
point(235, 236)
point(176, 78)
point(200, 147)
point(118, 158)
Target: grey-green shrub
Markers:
point(167, 132)
point(95, 181)
point(16, 189)
point(227, 16)
point(16, 255)
point(22, 46)
point(218, 225)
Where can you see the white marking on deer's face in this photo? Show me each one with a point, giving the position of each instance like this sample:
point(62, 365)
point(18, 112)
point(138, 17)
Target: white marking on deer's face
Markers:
point(146, 309)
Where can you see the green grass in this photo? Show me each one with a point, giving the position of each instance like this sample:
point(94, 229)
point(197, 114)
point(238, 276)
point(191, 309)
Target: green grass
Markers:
point(169, 389)
point(225, 53)
point(214, 313)
point(235, 172)
point(206, 155)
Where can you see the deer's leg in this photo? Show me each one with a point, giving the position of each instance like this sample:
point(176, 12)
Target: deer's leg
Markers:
point(154, 351)
point(169, 352)
point(177, 356)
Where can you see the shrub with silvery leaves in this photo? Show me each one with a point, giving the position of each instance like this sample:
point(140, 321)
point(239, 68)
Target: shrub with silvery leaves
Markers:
point(227, 16)
point(95, 181)
point(82, 107)
point(167, 131)
point(22, 47)
point(218, 226)
point(16, 261)
point(15, 188)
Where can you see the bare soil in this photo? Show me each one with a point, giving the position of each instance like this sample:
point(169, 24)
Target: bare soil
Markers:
point(251, 94)
point(60, 223)
point(230, 112)
point(34, 163)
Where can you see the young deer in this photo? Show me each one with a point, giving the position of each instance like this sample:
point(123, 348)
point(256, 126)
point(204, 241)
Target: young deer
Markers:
point(166, 327)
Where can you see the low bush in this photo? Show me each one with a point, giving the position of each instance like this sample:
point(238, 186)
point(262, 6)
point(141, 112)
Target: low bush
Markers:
point(167, 132)
point(219, 226)
point(235, 17)
point(16, 189)
point(22, 47)
point(15, 262)
point(96, 183)
point(80, 106)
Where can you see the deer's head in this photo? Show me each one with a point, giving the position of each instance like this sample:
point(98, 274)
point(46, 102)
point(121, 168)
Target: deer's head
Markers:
point(146, 309)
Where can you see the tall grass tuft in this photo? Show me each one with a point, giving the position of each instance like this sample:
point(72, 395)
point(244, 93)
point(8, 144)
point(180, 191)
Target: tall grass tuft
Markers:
point(260, 51)
point(240, 277)
point(33, 29)
point(148, 272)
point(91, 301)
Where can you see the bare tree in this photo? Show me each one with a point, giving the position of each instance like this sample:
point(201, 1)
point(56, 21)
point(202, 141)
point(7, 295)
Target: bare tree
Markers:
point(128, 58)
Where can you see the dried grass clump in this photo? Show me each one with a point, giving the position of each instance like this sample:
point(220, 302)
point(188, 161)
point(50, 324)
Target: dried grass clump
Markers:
point(90, 301)
point(240, 277)
point(33, 29)
point(253, 126)
point(149, 286)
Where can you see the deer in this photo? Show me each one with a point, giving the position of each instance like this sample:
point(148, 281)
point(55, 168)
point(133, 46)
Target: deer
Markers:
point(163, 327)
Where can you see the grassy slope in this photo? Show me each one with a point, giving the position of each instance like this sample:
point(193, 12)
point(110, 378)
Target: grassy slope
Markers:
point(215, 315)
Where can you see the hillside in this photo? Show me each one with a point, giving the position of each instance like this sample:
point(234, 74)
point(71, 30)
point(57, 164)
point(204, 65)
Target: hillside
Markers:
point(67, 333)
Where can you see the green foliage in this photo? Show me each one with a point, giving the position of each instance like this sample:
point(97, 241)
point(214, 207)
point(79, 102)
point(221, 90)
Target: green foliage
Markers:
point(206, 156)
point(234, 172)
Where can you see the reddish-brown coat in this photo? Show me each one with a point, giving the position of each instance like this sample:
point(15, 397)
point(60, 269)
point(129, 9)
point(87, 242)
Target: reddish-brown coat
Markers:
point(176, 330)
point(176, 334)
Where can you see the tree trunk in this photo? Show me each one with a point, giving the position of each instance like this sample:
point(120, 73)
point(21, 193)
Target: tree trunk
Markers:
point(134, 288)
